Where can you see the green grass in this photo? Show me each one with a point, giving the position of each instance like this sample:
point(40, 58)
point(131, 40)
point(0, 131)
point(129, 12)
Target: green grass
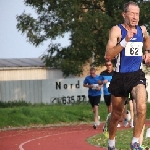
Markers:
point(123, 138)
point(27, 115)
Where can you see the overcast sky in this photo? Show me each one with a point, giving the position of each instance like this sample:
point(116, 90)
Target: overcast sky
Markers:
point(12, 43)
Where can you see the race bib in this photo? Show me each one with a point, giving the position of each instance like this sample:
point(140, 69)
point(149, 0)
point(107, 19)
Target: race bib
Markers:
point(95, 86)
point(133, 49)
point(107, 84)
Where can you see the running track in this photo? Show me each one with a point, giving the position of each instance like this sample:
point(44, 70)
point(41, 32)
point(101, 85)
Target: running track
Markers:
point(71, 137)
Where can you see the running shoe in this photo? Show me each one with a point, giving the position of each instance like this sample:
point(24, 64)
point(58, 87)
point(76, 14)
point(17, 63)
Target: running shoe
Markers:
point(126, 122)
point(95, 126)
point(111, 148)
point(118, 126)
point(128, 115)
point(136, 146)
point(145, 147)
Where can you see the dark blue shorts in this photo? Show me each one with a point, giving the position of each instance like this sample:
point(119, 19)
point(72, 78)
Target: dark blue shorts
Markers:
point(107, 99)
point(94, 100)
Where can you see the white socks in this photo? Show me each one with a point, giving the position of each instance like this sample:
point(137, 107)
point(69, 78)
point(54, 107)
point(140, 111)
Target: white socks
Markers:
point(134, 139)
point(111, 143)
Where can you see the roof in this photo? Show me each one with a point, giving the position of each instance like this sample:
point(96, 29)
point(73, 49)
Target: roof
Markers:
point(21, 62)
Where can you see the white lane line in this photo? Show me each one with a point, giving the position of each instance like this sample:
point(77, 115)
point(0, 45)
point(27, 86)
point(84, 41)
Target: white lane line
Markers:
point(22, 144)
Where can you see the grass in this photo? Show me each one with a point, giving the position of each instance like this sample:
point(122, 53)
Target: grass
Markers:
point(22, 114)
point(28, 115)
point(123, 139)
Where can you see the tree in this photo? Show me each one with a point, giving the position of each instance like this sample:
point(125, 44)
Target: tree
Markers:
point(87, 21)
point(114, 9)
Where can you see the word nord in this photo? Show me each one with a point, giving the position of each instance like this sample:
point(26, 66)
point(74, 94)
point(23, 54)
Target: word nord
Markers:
point(59, 85)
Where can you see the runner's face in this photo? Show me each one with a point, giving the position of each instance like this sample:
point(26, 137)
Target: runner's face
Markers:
point(92, 73)
point(109, 66)
point(131, 17)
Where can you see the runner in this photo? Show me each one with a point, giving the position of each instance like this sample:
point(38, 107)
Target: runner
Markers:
point(125, 44)
point(94, 94)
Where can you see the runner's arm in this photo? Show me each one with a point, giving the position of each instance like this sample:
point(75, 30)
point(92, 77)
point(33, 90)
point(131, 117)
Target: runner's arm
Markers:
point(146, 42)
point(100, 81)
point(112, 48)
point(146, 45)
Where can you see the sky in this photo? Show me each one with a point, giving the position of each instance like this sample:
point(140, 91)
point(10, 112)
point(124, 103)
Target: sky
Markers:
point(12, 43)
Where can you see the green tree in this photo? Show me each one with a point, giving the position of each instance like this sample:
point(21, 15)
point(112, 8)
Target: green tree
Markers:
point(114, 10)
point(87, 21)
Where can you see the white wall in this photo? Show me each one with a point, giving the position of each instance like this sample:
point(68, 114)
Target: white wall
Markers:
point(44, 91)
point(66, 91)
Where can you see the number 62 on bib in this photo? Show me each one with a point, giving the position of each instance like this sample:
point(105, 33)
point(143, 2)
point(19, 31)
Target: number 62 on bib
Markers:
point(133, 49)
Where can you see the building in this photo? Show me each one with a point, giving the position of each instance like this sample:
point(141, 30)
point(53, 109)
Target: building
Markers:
point(32, 69)
point(28, 79)
point(26, 69)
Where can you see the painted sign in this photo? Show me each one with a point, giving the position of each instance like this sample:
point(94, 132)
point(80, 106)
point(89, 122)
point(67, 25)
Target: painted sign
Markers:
point(69, 91)
point(65, 91)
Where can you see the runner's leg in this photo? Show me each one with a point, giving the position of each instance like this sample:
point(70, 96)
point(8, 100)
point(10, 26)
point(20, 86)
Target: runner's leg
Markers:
point(139, 94)
point(117, 110)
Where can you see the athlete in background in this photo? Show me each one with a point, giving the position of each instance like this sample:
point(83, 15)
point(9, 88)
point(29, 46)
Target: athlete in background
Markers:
point(105, 78)
point(94, 93)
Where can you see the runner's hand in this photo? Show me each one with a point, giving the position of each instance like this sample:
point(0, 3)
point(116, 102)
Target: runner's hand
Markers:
point(98, 88)
point(105, 81)
point(107, 59)
point(130, 34)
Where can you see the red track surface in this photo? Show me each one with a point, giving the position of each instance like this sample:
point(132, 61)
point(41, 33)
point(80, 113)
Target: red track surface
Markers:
point(50, 138)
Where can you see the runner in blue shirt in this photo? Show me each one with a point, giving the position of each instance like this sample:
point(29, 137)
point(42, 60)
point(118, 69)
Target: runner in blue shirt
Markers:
point(94, 93)
point(105, 78)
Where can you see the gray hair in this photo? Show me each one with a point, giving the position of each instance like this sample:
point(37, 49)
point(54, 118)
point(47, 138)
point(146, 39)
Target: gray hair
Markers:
point(126, 5)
